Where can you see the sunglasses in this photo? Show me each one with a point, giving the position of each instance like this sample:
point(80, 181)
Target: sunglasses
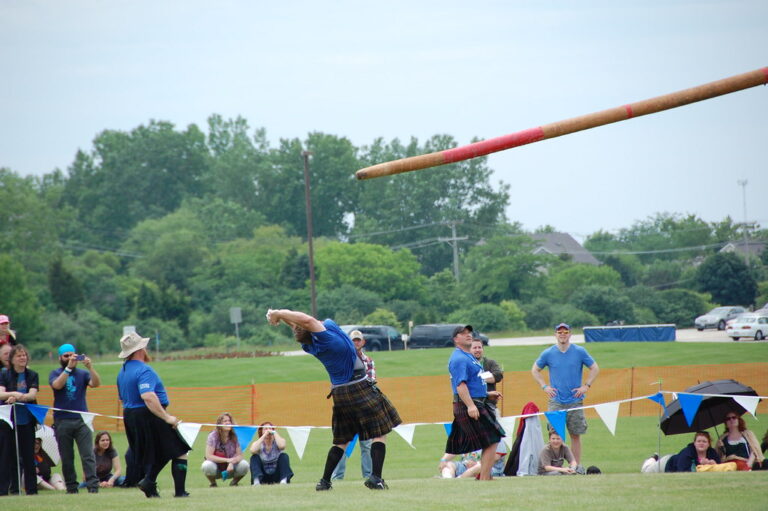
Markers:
point(731, 417)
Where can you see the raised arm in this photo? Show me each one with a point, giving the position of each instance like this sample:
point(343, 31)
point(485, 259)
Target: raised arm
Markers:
point(294, 318)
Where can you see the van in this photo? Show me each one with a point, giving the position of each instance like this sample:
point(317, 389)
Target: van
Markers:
point(437, 335)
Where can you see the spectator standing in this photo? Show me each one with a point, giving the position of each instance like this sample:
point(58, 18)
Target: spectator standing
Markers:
point(70, 384)
point(565, 389)
point(492, 373)
point(365, 445)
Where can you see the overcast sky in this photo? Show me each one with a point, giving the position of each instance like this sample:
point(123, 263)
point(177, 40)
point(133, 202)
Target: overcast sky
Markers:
point(363, 70)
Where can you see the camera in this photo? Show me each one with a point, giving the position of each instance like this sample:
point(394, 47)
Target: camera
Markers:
point(80, 357)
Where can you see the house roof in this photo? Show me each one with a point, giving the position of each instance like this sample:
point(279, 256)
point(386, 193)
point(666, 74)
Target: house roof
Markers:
point(557, 243)
point(752, 248)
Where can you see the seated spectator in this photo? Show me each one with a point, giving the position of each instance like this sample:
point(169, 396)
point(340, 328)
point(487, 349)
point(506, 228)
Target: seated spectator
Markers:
point(698, 452)
point(738, 444)
point(108, 468)
point(497, 470)
point(460, 466)
point(764, 448)
point(269, 464)
point(223, 456)
point(553, 458)
point(46, 480)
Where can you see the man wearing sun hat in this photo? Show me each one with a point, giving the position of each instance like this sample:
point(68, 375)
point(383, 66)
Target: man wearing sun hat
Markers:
point(7, 336)
point(150, 429)
point(565, 389)
point(69, 384)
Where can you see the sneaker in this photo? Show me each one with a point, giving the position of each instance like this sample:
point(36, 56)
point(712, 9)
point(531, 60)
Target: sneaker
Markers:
point(93, 490)
point(376, 483)
point(323, 485)
point(73, 490)
point(149, 488)
point(182, 494)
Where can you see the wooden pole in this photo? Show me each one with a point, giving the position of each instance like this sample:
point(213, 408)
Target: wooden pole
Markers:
point(557, 129)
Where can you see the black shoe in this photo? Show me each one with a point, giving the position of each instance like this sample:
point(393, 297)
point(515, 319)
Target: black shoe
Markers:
point(93, 490)
point(376, 483)
point(182, 494)
point(149, 488)
point(73, 490)
point(323, 485)
point(32, 492)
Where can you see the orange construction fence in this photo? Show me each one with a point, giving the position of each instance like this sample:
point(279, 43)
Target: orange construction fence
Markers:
point(417, 398)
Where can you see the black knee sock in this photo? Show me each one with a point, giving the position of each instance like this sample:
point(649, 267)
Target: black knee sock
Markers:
point(179, 473)
point(378, 452)
point(334, 455)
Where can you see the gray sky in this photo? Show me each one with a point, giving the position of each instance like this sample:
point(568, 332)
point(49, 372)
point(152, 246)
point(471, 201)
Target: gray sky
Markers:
point(414, 68)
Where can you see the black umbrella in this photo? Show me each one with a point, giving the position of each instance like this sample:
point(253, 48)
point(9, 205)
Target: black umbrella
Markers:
point(712, 410)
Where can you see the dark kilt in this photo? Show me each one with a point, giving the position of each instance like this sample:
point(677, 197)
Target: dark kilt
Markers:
point(468, 434)
point(152, 440)
point(361, 408)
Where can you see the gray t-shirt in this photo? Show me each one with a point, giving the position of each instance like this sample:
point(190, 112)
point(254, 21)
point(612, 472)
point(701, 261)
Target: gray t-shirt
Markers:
point(554, 457)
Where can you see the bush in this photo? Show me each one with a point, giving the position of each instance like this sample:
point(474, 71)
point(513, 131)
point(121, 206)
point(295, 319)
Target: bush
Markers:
point(607, 303)
point(382, 316)
point(576, 318)
point(515, 315)
point(485, 317)
point(539, 314)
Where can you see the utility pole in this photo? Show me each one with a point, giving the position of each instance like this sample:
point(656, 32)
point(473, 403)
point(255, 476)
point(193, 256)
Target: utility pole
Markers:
point(454, 242)
point(743, 184)
point(308, 204)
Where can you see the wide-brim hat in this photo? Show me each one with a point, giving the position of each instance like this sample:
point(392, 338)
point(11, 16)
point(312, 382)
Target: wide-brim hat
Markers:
point(131, 343)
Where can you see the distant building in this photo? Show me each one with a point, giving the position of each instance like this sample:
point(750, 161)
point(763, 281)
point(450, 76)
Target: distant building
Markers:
point(559, 243)
point(750, 248)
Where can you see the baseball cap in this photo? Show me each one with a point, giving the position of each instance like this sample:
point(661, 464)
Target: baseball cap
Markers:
point(66, 348)
point(356, 334)
point(461, 328)
point(562, 325)
point(4, 319)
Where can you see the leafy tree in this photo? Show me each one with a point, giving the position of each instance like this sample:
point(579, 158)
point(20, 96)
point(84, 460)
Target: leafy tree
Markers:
point(295, 271)
point(382, 316)
point(347, 304)
point(443, 295)
point(17, 301)
point(66, 291)
point(148, 303)
point(539, 314)
point(728, 279)
point(569, 278)
point(663, 274)
point(224, 220)
point(683, 306)
point(515, 314)
point(484, 316)
point(628, 267)
point(576, 318)
point(606, 303)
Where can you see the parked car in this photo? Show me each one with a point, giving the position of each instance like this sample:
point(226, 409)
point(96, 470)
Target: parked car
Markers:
point(749, 325)
point(436, 336)
point(717, 317)
point(378, 337)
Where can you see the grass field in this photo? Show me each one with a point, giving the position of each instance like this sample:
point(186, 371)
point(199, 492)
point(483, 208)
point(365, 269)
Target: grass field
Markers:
point(411, 473)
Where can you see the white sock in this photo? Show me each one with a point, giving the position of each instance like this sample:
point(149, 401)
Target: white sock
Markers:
point(284, 480)
point(447, 473)
point(256, 481)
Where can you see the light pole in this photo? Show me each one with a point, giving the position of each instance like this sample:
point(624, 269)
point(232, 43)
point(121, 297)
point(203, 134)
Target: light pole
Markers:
point(743, 184)
point(308, 203)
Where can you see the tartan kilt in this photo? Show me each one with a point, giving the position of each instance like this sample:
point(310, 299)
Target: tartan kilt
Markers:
point(361, 408)
point(152, 440)
point(468, 434)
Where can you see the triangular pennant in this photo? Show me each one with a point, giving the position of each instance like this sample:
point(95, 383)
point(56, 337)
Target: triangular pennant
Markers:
point(659, 398)
point(351, 446)
point(39, 411)
point(448, 426)
point(299, 437)
point(508, 423)
point(406, 431)
point(5, 414)
point(557, 420)
point(690, 405)
point(188, 431)
point(609, 412)
point(244, 435)
point(749, 403)
point(88, 419)
point(50, 446)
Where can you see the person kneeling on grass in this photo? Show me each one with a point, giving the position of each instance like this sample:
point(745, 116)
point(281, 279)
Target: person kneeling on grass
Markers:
point(223, 456)
point(269, 464)
point(553, 457)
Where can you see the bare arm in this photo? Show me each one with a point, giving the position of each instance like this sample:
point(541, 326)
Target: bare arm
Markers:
point(153, 403)
point(61, 380)
point(463, 392)
point(294, 318)
point(539, 378)
point(594, 370)
point(95, 378)
point(280, 441)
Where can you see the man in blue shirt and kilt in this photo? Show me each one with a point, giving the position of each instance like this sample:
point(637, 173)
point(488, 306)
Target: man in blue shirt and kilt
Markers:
point(359, 407)
point(475, 426)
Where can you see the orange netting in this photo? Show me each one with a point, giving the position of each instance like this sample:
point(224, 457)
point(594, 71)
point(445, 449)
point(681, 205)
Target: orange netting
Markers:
point(418, 398)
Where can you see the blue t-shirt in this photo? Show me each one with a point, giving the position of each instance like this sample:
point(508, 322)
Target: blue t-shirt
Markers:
point(565, 370)
point(466, 368)
point(72, 395)
point(23, 415)
point(137, 378)
point(335, 350)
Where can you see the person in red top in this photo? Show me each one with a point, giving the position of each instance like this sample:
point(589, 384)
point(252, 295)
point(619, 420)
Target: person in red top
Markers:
point(7, 336)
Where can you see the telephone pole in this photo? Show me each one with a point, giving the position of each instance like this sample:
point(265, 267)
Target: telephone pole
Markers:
point(454, 242)
point(743, 184)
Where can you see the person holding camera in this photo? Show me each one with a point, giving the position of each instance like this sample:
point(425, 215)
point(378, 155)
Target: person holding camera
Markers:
point(269, 464)
point(69, 384)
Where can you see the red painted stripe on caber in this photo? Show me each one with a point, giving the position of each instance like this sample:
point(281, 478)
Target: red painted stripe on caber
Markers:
point(492, 145)
point(765, 74)
point(628, 108)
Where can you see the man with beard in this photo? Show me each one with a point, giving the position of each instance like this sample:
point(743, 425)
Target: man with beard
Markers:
point(69, 384)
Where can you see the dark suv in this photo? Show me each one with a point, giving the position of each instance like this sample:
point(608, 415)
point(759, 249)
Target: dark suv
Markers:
point(436, 336)
point(377, 337)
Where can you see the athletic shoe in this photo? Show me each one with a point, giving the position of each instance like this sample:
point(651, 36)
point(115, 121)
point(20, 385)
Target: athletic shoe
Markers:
point(73, 490)
point(323, 485)
point(182, 494)
point(376, 483)
point(149, 488)
point(93, 490)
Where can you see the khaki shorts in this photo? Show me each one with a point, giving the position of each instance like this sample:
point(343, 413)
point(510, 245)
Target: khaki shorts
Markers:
point(574, 419)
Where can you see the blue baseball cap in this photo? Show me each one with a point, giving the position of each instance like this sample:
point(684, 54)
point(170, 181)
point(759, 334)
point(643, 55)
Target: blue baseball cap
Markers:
point(66, 348)
point(563, 325)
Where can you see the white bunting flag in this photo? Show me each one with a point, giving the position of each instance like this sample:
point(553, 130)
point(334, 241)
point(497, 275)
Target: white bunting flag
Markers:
point(508, 423)
point(609, 412)
point(299, 436)
point(88, 419)
point(406, 431)
point(749, 403)
point(188, 431)
point(5, 414)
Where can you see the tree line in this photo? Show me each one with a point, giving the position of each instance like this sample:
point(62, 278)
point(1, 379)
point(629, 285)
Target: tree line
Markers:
point(167, 228)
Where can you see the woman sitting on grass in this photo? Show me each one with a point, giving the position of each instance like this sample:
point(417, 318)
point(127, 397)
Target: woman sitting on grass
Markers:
point(269, 464)
point(223, 456)
point(108, 468)
point(698, 452)
point(739, 444)
point(46, 479)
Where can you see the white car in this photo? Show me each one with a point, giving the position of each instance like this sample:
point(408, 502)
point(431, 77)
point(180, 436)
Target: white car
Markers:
point(717, 317)
point(749, 325)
